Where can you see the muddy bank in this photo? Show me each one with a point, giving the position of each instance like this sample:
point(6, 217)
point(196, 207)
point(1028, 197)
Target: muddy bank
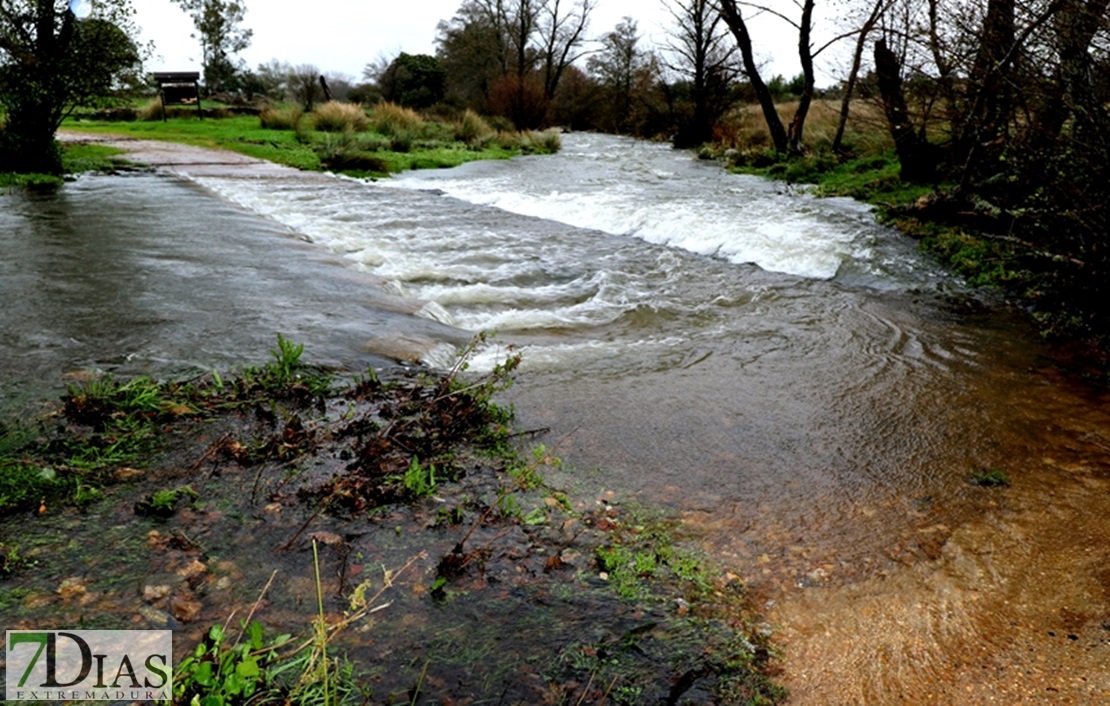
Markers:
point(1010, 608)
point(488, 583)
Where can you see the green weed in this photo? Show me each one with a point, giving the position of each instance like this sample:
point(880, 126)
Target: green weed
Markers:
point(12, 560)
point(990, 478)
point(163, 503)
point(420, 480)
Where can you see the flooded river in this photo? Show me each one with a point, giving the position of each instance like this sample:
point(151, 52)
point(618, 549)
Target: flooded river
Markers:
point(804, 388)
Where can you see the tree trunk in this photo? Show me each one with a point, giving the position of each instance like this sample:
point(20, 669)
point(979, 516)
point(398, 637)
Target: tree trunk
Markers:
point(805, 54)
point(982, 126)
point(27, 142)
point(739, 29)
point(914, 155)
point(1076, 25)
point(853, 74)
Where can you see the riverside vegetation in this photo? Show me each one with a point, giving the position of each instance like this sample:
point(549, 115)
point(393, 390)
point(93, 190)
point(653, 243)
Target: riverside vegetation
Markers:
point(971, 240)
point(341, 137)
point(490, 582)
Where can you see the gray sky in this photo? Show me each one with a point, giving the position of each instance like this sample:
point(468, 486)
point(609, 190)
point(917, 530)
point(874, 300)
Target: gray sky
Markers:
point(342, 36)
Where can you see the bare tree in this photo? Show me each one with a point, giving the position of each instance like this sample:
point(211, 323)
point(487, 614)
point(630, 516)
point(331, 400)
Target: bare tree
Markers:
point(219, 27)
point(701, 52)
point(616, 66)
point(562, 27)
point(868, 26)
point(303, 82)
point(472, 48)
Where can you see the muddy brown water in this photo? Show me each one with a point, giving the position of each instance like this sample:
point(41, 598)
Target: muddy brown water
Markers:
point(814, 417)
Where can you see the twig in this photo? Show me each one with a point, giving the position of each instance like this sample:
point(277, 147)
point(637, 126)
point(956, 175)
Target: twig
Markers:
point(211, 450)
point(586, 690)
point(609, 690)
point(254, 606)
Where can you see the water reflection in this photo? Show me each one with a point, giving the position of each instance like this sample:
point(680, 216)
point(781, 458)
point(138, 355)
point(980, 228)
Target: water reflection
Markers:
point(150, 274)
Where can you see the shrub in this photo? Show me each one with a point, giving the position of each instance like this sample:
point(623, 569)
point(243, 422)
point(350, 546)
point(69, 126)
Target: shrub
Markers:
point(389, 119)
point(343, 152)
point(281, 119)
point(472, 129)
point(334, 116)
point(500, 123)
point(550, 142)
point(402, 141)
point(152, 110)
point(530, 142)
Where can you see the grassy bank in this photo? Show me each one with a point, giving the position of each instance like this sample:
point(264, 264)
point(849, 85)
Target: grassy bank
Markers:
point(376, 540)
point(76, 158)
point(967, 243)
point(338, 137)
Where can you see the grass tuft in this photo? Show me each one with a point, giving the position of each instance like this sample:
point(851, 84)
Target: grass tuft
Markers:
point(281, 118)
point(152, 111)
point(389, 119)
point(334, 116)
point(472, 129)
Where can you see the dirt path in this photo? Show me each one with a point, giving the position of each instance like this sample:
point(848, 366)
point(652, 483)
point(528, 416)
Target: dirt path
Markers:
point(186, 159)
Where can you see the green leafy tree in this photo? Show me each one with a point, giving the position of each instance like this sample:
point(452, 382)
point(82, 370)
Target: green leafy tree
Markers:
point(51, 62)
point(219, 27)
point(413, 80)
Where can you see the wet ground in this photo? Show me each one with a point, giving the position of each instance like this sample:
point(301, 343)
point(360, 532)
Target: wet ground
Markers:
point(488, 588)
point(825, 457)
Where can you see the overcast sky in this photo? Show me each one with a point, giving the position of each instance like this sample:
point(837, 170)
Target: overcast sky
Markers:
point(343, 36)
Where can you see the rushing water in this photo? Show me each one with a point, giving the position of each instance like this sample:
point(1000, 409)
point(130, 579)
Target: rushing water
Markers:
point(809, 391)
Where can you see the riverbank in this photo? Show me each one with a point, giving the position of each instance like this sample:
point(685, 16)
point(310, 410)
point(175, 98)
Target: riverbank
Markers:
point(390, 140)
point(970, 239)
point(445, 566)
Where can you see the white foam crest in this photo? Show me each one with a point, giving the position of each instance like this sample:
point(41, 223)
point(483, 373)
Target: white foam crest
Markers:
point(481, 293)
point(591, 313)
point(435, 311)
point(787, 241)
point(568, 356)
point(441, 356)
point(664, 197)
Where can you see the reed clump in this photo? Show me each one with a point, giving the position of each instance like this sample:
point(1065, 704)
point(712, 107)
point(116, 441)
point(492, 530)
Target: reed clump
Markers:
point(344, 151)
point(390, 119)
point(334, 116)
point(472, 129)
point(281, 118)
point(151, 111)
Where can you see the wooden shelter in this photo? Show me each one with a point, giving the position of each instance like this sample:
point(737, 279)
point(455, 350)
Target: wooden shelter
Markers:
point(179, 88)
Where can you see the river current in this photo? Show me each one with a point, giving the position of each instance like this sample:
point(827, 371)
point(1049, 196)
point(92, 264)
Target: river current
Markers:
point(795, 379)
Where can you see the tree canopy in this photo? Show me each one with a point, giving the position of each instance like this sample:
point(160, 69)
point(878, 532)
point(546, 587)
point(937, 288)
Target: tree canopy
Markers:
point(413, 80)
point(50, 62)
point(219, 27)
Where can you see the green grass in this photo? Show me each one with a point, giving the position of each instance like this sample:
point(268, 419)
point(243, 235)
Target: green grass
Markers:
point(429, 146)
point(873, 178)
point(113, 425)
